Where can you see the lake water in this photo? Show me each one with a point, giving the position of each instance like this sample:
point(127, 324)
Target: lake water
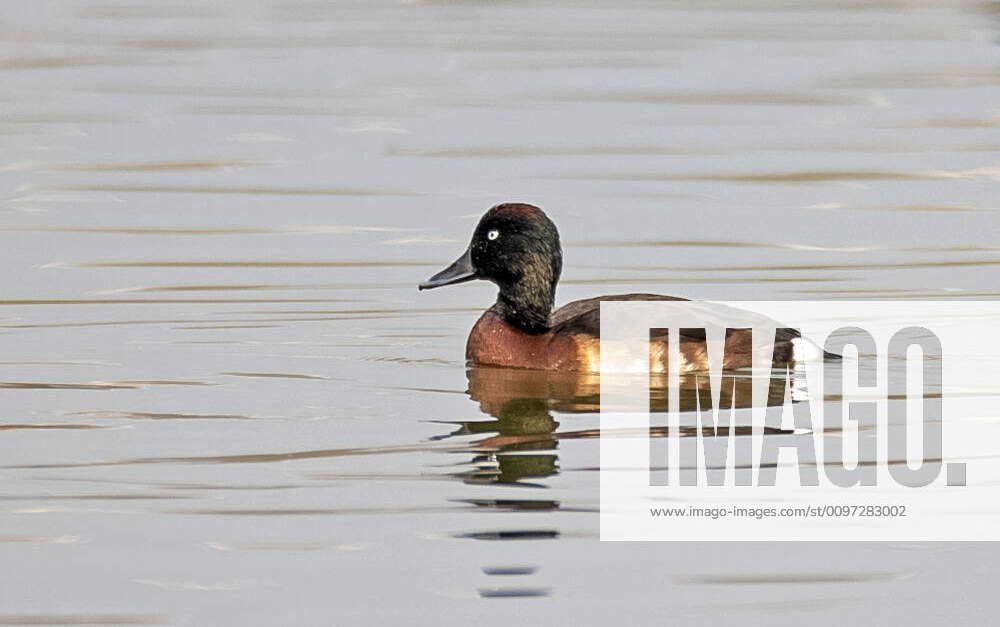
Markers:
point(224, 400)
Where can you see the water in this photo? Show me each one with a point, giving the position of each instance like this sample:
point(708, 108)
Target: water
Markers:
point(225, 400)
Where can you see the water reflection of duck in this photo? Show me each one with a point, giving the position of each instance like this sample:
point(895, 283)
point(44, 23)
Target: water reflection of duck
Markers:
point(521, 438)
point(516, 247)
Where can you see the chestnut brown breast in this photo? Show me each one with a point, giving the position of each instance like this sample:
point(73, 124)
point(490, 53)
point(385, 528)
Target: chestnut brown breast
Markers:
point(495, 342)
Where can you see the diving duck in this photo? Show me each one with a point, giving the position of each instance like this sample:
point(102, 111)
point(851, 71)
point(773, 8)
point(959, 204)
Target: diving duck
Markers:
point(516, 246)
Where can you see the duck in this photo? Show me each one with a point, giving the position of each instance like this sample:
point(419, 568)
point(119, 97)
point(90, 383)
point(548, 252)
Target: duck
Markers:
point(516, 246)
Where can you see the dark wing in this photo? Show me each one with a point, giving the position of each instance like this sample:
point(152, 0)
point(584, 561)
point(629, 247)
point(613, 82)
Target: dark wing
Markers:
point(584, 317)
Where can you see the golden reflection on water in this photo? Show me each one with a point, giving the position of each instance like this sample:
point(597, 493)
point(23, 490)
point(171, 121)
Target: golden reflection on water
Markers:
point(152, 166)
point(523, 435)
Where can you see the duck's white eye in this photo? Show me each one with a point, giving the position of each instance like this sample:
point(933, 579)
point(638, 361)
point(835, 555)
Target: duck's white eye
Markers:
point(493, 234)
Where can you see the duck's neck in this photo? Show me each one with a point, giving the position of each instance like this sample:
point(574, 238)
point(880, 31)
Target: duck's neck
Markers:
point(526, 307)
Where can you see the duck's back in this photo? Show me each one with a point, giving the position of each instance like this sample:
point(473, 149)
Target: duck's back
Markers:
point(584, 316)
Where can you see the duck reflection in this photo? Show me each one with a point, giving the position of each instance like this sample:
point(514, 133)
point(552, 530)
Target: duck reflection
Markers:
point(522, 438)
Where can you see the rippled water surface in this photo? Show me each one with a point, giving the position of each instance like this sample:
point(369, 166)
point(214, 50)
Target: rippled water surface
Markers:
point(225, 402)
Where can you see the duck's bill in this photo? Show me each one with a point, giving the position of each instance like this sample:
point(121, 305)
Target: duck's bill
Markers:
point(459, 272)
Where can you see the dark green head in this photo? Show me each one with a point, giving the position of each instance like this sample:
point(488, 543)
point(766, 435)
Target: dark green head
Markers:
point(516, 246)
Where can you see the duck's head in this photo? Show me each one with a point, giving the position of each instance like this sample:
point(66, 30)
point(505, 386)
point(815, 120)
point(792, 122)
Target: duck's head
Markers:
point(515, 246)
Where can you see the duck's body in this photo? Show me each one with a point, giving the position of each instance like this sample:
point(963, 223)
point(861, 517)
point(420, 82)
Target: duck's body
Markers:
point(572, 343)
point(517, 247)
